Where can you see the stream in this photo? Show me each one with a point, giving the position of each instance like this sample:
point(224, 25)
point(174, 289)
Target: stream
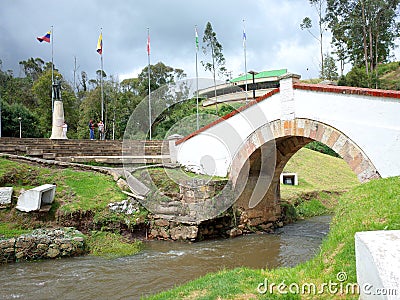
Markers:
point(160, 266)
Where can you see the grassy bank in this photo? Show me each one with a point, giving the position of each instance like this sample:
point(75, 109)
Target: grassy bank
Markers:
point(317, 172)
point(371, 206)
point(77, 192)
point(322, 178)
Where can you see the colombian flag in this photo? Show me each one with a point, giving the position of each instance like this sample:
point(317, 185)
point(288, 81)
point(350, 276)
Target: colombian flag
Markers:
point(100, 44)
point(45, 38)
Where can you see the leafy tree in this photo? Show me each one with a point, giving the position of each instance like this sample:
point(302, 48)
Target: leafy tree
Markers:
point(319, 6)
point(366, 29)
point(217, 64)
point(10, 121)
point(357, 77)
point(33, 67)
point(329, 70)
point(160, 75)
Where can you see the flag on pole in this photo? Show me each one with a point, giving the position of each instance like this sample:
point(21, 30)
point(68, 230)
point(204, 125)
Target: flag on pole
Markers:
point(100, 44)
point(148, 44)
point(45, 38)
point(197, 39)
point(244, 38)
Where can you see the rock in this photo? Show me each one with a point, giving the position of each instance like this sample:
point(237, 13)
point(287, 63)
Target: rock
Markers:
point(78, 239)
point(19, 255)
point(153, 233)
point(42, 246)
point(53, 252)
point(162, 232)
point(123, 185)
point(184, 232)
point(127, 207)
point(43, 243)
point(265, 227)
point(161, 222)
point(234, 232)
point(273, 219)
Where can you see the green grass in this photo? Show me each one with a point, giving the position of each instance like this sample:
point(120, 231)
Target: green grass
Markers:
point(317, 172)
point(8, 230)
point(371, 206)
point(111, 245)
point(76, 190)
point(90, 190)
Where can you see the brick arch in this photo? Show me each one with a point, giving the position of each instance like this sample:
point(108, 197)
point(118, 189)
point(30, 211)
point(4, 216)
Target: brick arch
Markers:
point(283, 139)
point(292, 135)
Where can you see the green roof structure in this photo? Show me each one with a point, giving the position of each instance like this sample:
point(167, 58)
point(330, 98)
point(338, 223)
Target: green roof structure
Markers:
point(263, 74)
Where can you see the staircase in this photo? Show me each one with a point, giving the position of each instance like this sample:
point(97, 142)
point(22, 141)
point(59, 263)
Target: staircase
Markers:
point(84, 151)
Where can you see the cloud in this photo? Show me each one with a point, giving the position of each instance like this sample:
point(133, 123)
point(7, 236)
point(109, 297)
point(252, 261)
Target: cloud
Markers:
point(274, 37)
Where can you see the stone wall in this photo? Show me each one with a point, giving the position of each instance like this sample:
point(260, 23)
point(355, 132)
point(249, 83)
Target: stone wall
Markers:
point(43, 244)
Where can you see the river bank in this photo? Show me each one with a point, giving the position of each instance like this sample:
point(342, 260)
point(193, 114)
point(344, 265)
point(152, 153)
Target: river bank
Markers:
point(94, 208)
point(371, 206)
point(160, 265)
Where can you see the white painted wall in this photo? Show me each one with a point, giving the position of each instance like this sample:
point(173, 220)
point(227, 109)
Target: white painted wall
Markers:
point(372, 123)
point(222, 141)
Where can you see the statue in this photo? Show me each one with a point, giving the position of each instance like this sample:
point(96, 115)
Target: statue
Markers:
point(57, 88)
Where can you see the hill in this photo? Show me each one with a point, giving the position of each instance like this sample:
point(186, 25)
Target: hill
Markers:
point(317, 172)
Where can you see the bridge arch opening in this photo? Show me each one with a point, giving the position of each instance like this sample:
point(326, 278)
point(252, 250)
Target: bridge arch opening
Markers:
point(289, 137)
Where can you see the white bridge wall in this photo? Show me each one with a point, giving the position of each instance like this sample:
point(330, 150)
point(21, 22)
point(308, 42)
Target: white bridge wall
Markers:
point(372, 123)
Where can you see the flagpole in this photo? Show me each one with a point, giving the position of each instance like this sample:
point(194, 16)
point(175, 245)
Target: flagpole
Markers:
point(245, 59)
point(148, 69)
point(52, 69)
point(0, 115)
point(197, 80)
point(101, 81)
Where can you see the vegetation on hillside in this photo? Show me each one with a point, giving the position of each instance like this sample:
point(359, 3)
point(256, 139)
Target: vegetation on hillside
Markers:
point(371, 206)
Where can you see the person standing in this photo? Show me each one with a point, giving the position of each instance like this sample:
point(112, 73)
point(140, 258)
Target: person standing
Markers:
point(100, 125)
point(64, 130)
point(91, 129)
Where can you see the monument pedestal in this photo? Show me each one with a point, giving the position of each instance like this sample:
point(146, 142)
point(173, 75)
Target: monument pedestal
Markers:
point(57, 132)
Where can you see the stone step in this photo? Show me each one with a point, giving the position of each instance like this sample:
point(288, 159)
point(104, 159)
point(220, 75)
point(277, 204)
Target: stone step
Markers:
point(50, 149)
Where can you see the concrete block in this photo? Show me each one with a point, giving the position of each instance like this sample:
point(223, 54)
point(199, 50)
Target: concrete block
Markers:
point(5, 196)
point(33, 199)
point(378, 264)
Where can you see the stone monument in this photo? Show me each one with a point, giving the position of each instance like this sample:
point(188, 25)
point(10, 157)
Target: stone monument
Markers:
point(57, 132)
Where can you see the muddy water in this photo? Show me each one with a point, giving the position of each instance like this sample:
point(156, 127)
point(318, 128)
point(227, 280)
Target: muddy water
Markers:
point(161, 266)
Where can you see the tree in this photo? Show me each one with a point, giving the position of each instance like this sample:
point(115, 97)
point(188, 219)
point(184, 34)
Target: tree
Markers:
point(319, 6)
point(357, 77)
point(33, 68)
point(217, 63)
point(160, 75)
point(366, 28)
point(329, 70)
point(10, 121)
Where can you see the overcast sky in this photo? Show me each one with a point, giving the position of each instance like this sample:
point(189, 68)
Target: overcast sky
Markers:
point(274, 38)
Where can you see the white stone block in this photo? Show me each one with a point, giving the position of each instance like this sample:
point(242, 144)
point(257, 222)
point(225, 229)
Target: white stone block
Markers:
point(378, 264)
point(5, 195)
point(33, 199)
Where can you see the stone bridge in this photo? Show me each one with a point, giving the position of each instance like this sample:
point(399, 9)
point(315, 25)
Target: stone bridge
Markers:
point(253, 144)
